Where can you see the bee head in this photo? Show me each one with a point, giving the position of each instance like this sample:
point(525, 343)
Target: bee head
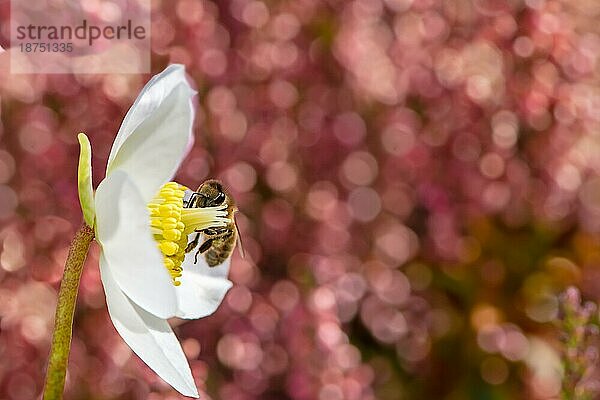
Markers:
point(211, 193)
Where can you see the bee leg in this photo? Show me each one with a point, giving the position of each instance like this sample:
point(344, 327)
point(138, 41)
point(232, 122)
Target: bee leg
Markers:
point(212, 232)
point(193, 243)
point(192, 202)
point(205, 246)
point(215, 232)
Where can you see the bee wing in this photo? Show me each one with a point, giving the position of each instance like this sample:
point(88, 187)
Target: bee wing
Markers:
point(239, 239)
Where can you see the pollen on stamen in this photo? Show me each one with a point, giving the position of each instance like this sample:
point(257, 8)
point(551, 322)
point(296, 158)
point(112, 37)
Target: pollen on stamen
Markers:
point(165, 222)
point(171, 224)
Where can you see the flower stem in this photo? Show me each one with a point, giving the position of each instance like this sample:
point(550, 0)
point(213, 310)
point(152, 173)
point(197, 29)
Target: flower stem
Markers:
point(67, 297)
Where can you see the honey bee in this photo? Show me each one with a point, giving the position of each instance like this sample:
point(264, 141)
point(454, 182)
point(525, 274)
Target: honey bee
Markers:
point(218, 242)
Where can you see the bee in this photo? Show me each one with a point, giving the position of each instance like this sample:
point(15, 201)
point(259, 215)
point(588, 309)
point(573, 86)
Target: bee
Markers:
point(218, 242)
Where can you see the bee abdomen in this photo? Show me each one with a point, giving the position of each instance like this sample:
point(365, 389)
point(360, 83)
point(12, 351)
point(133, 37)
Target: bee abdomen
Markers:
point(220, 249)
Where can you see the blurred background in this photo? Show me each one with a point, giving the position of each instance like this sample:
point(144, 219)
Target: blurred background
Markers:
point(417, 179)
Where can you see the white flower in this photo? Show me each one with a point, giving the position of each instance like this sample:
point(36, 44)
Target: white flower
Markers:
point(142, 229)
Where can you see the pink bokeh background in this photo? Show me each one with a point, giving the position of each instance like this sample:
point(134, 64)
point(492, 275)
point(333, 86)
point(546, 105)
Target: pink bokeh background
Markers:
point(417, 182)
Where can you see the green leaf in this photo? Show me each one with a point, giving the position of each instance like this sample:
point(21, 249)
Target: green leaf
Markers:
point(84, 180)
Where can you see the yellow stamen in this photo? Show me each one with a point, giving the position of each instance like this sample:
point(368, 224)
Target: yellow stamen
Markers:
point(171, 224)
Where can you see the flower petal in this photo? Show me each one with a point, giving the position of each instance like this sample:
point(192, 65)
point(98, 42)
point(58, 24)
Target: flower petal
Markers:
point(148, 101)
point(84, 180)
point(156, 132)
point(123, 231)
point(151, 338)
point(202, 288)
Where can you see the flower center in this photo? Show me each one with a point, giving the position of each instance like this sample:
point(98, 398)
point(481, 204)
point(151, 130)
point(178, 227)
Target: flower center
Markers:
point(171, 224)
